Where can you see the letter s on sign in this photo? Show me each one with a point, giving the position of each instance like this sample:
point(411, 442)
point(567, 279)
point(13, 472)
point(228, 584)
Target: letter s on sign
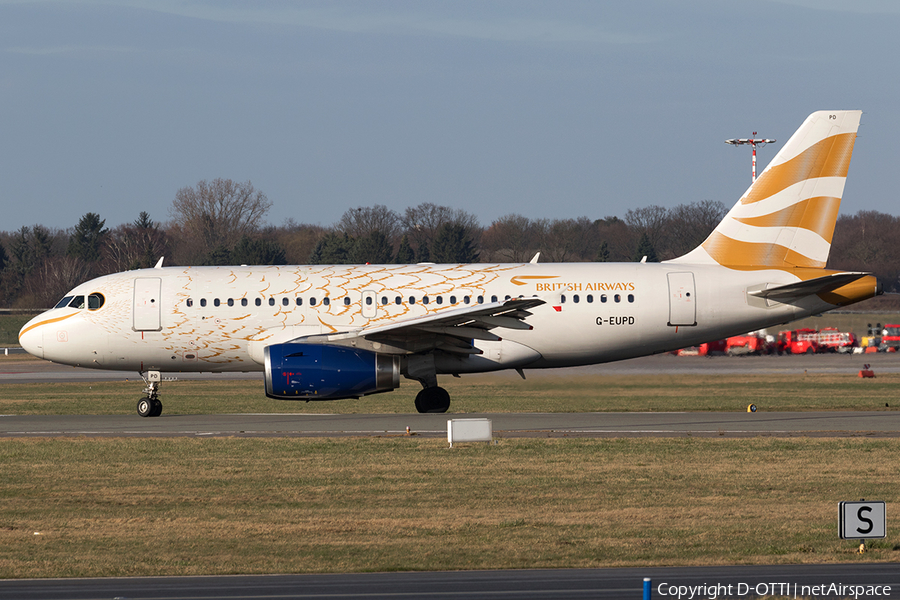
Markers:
point(859, 514)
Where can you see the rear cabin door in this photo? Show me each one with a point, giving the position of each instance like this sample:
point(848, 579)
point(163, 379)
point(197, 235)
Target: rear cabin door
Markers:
point(146, 303)
point(682, 300)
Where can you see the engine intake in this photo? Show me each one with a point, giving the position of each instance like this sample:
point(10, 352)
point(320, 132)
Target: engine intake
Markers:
point(317, 372)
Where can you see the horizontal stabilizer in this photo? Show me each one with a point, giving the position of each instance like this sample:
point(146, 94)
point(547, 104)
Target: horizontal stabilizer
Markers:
point(819, 285)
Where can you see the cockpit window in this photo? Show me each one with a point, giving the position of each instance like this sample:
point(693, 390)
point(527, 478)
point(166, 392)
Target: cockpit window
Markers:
point(95, 301)
point(64, 302)
point(77, 302)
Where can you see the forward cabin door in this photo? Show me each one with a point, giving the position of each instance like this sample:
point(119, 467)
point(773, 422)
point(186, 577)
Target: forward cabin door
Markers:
point(682, 300)
point(146, 304)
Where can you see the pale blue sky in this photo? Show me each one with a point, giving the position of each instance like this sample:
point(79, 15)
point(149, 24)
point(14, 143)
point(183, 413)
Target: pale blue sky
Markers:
point(551, 110)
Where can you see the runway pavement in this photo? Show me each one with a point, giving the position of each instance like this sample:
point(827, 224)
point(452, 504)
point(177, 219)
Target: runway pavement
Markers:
point(876, 581)
point(505, 425)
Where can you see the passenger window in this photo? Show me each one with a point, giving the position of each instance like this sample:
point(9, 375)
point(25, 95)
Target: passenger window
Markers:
point(231, 302)
point(562, 299)
point(493, 298)
point(398, 300)
point(299, 301)
point(243, 302)
point(439, 299)
point(271, 301)
point(480, 299)
point(326, 301)
point(384, 300)
point(452, 299)
point(347, 301)
point(259, 301)
point(202, 301)
point(369, 300)
point(312, 301)
point(603, 298)
point(618, 298)
point(424, 299)
point(631, 297)
point(575, 298)
point(215, 302)
point(189, 302)
point(465, 299)
point(412, 299)
point(590, 298)
point(285, 301)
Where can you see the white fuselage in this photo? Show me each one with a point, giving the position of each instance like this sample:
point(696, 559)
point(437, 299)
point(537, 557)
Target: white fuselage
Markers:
point(215, 319)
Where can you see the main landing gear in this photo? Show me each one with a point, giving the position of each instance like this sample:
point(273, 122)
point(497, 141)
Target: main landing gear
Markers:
point(150, 405)
point(433, 400)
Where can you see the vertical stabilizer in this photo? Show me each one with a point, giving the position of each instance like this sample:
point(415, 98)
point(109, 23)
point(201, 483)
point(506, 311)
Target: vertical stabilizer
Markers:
point(785, 220)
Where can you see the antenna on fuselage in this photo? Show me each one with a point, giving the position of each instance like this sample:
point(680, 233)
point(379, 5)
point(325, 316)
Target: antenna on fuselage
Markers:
point(159, 263)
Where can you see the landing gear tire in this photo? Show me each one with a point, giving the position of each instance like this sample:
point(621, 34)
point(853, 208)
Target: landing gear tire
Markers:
point(145, 407)
point(433, 400)
point(149, 407)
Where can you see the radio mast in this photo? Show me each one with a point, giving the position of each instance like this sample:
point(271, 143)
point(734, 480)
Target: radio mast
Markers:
point(752, 142)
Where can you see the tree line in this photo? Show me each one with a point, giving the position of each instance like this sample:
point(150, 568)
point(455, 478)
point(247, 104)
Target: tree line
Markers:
point(221, 222)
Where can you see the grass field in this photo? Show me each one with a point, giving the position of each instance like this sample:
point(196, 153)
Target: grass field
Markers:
point(180, 506)
point(115, 507)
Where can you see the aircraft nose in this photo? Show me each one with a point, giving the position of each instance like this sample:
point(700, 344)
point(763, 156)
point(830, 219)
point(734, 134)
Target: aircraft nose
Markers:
point(31, 338)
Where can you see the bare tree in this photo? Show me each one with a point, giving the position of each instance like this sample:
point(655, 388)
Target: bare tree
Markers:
point(137, 245)
point(652, 220)
point(218, 213)
point(510, 239)
point(364, 221)
point(423, 222)
point(54, 277)
point(690, 224)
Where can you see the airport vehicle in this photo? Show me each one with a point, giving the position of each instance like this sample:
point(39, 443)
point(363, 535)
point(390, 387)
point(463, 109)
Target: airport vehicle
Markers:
point(749, 343)
point(713, 348)
point(890, 337)
point(798, 341)
point(336, 331)
point(832, 339)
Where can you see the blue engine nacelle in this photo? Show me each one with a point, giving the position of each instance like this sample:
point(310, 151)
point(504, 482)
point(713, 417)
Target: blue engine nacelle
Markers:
point(315, 372)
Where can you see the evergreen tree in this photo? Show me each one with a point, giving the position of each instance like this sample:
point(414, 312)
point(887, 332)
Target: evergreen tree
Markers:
point(4, 259)
point(250, 251)
point(87, 239)
point(372, 248)
point(452, 245)
point(603, 252)
point(405, 253)
point(333, 249)
point(144, 222)
point(645, 248)
point(219, 257)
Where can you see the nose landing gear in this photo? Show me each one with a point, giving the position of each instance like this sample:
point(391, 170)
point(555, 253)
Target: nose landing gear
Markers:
point(150, 405)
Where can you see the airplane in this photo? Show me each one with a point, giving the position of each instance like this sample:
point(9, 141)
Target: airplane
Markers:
point(327, 332)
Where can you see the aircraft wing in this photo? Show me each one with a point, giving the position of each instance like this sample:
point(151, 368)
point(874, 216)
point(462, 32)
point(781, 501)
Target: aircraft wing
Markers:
point(449, 330)
point(809, 287)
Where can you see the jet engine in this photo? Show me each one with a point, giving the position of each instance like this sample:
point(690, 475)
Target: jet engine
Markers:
point(317, 372)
